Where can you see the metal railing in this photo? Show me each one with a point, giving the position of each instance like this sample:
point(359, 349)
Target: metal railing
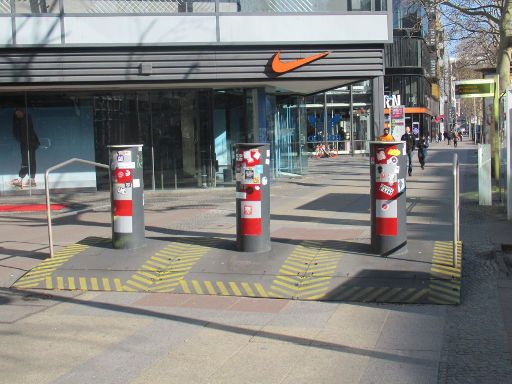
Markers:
point(456, 209)
point(47, 192)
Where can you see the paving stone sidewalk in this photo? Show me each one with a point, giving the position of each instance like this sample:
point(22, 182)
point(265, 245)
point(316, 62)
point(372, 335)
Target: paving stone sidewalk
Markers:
point(475, 347)
point(101, 336)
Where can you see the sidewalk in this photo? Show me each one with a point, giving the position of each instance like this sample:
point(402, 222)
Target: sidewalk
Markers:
point(120, 337)
point(320, 246)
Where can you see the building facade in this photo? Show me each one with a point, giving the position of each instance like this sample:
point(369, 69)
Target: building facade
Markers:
point(187, 79)
point(412, 71)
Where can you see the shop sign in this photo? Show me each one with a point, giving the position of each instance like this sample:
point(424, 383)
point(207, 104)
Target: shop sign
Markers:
point(392, 101)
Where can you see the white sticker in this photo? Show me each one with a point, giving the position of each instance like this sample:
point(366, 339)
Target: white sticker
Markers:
point(123, 156)
point(381, 155)
point(264, 180)
point(257, 155)
point(136, 183)
point(393, 160)
point(130, 165)
point(386, 173)
point(257, 187)
point(267, 161)
point(248, 157)
point(401, 185)
point(241, 195)
point(397, 169)
point(268, 152)
point(386, 189)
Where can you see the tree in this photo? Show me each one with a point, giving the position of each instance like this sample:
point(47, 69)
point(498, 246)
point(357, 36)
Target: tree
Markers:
point(471, 55)
point(489, 22)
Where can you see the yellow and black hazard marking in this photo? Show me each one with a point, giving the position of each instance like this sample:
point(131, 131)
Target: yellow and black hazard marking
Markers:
point(379, 294)
point(83, 283)
point(164, 270)
point(319, 275)
point(292, 272)
point(223, 288)
point(39, 274)
point(445, 279)
point(306, 273)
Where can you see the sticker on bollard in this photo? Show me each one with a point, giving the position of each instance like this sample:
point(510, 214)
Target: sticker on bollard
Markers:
point(253, 197)
point(387, 169)
point(127, 197)
point(249, 175)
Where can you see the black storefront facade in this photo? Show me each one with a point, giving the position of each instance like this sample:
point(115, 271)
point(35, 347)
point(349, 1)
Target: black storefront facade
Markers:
point(187, 104)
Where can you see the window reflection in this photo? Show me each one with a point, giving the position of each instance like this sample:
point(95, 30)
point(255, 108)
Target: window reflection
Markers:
point(191, 6)
point(341, 119)
point(360, 5)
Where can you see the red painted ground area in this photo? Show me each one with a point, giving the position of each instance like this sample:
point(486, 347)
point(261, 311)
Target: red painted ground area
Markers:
point(29, 207)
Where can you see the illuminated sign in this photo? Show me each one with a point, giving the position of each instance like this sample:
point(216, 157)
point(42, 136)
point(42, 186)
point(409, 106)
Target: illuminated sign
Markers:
point(474, 88)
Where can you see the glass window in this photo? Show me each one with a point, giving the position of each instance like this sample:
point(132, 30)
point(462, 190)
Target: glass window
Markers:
point(361, 115)
point(143, 6)
point(359, 5)
point(410, 16)
point(413, 97)
point(381, 5)
point(288, 134)
point(278, 6)
point(37, 6)
point(5, 6)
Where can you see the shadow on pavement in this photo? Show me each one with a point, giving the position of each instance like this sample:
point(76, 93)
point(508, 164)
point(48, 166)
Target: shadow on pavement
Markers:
point(4, 297)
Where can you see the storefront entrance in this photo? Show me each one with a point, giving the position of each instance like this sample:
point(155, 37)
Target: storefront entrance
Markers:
point(188, 135)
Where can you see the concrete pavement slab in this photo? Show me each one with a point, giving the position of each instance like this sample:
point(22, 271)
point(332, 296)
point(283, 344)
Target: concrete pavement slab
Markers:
point(419, 367)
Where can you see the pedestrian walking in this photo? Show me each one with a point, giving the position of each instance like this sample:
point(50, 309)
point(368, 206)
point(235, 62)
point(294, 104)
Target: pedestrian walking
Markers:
point(410, 142)
point(23, 132)
point(422, 150)
point(455, 139)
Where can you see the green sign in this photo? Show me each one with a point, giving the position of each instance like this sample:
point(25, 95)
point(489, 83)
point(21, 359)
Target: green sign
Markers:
point(474, 88)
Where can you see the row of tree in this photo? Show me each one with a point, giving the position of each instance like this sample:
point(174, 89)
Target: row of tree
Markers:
point(480, 34)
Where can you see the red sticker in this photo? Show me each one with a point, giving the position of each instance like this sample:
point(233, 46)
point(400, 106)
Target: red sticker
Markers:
point(123, 176)
point(123, 208)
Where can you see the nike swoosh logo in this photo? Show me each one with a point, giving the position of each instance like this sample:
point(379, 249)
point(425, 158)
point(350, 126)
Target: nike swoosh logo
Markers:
point(279, 67)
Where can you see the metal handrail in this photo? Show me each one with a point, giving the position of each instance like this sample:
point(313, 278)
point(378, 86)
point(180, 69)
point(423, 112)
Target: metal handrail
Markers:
point(47, 192)
point(456, 208)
